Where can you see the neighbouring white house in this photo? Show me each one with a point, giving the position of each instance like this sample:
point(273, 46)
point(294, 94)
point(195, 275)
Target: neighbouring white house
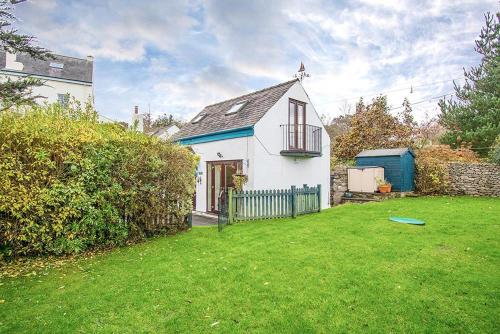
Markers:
point(274, 136)
point(64, 76)
point(164, 132)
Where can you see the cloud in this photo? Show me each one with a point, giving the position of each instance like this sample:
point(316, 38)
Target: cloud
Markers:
point(115, 29)
point(179, 56)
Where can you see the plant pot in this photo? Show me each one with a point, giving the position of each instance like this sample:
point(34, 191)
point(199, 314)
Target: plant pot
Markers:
point(385, 188)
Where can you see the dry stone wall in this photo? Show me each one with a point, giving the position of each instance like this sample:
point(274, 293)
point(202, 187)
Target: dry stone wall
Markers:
point(338, 182)
point(477, 179)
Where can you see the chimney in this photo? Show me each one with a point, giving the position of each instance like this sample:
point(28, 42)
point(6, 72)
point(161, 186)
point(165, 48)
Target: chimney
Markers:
point(136, 110)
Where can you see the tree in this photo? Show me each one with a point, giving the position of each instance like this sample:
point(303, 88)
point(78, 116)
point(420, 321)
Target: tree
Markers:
point(428, 132)
point(472, 117)
point(337, 125)
point(166, 120)
point(372, 127)
point(17, 92)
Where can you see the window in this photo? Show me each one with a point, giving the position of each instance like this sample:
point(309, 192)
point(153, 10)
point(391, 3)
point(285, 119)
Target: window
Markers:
point(296, 124)
point(235, 108)
point(198, 118)
point(63, 99)
point(57, 65)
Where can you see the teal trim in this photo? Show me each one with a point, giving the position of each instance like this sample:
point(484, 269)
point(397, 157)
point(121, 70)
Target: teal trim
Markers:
point(216, 136)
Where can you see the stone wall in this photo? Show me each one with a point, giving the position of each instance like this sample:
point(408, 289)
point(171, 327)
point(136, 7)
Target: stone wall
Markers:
point(338, 184)
point(477, 179)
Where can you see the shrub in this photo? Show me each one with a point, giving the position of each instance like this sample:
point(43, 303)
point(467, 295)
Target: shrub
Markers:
point(68, 183)
point(495, 152)
point(432, 167)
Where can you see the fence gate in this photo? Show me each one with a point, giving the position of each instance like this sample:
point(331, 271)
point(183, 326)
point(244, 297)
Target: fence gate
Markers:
point(223, 215)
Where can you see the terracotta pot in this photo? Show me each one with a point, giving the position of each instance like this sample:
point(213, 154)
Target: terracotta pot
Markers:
point(386, 188)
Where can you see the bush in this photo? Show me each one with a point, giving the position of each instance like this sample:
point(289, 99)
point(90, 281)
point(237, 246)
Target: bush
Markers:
point(495, 152)
point(431, 166)
point(68, 183)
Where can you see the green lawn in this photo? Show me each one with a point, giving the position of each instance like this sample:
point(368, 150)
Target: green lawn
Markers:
point(347, 269)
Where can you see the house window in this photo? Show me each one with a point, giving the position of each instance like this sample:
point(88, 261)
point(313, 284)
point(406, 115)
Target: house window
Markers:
point(235, 108)
point(198, 118)
point(63, 99)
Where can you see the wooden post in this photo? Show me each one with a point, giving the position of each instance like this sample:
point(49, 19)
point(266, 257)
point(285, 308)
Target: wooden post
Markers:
point(294, 204)
point(319, 197)
point(229, 205)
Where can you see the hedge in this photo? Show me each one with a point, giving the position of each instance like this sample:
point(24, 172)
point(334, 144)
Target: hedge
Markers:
point(69, 183)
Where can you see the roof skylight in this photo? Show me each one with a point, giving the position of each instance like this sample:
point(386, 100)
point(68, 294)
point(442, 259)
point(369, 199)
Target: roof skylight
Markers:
point(56, 65)
point(198, 118)
point(235, 108)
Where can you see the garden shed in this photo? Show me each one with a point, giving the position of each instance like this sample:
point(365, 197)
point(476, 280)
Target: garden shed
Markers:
point(398, 163)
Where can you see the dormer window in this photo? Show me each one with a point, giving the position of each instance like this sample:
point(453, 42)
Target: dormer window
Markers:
point(198, 118)
point(235, 108)
point(57, 65)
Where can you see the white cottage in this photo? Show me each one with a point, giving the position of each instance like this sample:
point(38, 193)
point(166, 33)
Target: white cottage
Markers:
point(64, 76)
point(273, 136)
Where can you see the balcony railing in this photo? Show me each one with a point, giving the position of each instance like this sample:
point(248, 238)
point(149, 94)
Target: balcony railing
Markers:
point(301, 140)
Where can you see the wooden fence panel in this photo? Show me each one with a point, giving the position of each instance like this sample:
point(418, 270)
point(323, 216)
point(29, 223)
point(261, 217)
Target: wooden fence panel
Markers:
point(276, 203)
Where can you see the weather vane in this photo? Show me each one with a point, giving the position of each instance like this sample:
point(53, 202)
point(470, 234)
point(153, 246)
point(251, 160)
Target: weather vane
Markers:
point(301, 74)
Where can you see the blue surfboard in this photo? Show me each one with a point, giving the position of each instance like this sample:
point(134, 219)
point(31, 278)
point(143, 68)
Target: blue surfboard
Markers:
point(407, 220)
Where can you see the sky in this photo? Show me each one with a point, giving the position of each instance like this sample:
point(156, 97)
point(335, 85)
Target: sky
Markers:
point(178, 56)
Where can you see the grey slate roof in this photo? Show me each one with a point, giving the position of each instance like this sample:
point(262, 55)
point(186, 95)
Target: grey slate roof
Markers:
point(73, 68)
point(258, 103)
point(385, 152)
point(160, 131)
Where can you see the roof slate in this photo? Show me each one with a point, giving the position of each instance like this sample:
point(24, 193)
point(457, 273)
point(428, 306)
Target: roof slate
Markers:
point(385, 152)
point(216, 120)
point(74, 68)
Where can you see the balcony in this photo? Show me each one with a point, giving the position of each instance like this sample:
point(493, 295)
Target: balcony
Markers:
point(301, 140)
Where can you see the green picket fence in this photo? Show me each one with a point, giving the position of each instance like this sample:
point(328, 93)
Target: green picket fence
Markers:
point(268, 204)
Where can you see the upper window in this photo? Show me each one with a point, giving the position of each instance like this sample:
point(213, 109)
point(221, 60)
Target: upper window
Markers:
point(198, 118)
point(56, 65)
point(235, 108)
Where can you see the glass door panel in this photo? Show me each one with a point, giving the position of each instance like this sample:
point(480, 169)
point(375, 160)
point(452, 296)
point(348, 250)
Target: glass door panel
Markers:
point(217, 185)
point(300, 126)
point(291, 124)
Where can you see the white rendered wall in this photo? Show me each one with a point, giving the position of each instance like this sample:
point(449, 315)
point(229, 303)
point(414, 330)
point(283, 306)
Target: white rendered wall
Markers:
point(80, 91)
point(274, 171)
point(169, 133)
point(230, 149)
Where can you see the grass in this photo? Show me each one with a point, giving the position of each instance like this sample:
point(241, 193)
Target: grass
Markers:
point(347, 269)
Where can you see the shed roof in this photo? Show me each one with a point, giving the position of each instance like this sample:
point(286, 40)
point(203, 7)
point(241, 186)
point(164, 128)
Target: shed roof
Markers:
point(216, 119)
point(387, 152)
point(68, 68)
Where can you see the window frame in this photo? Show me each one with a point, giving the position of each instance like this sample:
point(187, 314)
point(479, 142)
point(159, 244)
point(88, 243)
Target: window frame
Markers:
point(295, 124)
point(241, 105)
point(198, 118)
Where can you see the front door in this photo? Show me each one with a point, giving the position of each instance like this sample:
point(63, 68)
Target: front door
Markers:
point(220, 177)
